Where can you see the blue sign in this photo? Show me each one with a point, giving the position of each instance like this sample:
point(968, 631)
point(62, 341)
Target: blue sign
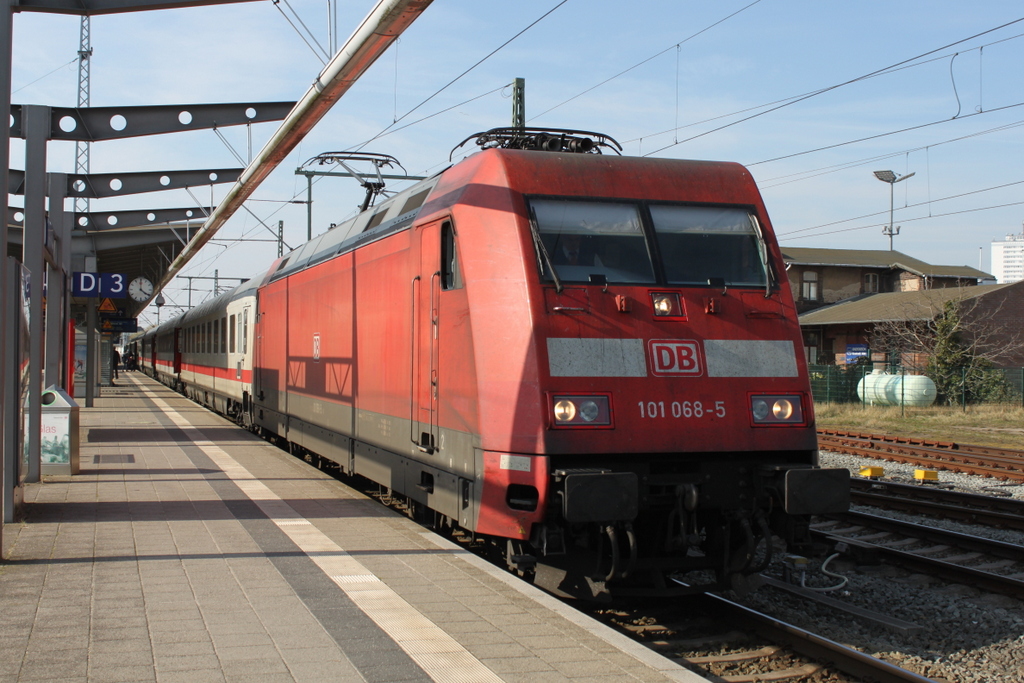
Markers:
point(119, 325)
point(112, 285)
point(854, 352)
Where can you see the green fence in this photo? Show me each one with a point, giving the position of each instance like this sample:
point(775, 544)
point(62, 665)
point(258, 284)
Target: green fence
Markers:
point(955, 387)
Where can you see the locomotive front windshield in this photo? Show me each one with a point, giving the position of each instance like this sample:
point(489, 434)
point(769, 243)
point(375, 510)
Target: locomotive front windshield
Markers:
point(615, 242)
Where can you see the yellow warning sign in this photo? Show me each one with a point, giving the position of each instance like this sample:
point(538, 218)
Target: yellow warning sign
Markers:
point(108, 306)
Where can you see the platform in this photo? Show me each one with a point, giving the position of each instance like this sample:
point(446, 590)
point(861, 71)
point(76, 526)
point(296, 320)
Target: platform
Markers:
point(190, 550)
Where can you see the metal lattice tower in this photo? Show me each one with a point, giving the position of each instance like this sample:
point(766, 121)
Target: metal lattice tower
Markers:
point(82, 147)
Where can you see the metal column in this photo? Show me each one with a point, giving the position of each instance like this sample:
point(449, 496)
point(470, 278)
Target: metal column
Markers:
point(56, 287)
point(36, 124)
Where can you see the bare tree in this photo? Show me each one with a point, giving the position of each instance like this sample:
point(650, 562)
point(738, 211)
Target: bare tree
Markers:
point(956, 338)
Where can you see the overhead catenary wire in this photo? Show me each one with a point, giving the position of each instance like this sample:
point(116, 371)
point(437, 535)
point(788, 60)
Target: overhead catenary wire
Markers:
point(835, 87)
point(886, 134)
point(461, 75)
point(910, 206)
point(817, 172)
point(674, 46)
point(738, 112)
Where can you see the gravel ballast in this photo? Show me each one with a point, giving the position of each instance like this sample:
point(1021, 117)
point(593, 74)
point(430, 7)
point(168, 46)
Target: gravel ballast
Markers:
point(967, 635)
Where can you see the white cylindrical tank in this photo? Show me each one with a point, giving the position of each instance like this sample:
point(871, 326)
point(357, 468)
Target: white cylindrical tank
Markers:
point(891, 390)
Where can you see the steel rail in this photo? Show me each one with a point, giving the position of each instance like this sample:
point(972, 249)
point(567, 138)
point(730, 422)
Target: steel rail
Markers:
point(928, 443)
point(972, 508)
point(998, 466)
point(382, 26)
point(845, 659)
point(972, 576)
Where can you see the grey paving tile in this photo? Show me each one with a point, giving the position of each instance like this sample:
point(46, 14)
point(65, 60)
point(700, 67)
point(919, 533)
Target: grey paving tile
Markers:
point(186, 663)
point(254, 666)
point(122, 673)
point(209, 675)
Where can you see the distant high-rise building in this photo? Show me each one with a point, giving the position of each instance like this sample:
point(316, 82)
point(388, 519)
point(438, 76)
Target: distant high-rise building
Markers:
point(1008, 259)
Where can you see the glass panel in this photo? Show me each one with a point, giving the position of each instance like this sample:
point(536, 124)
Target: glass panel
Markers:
point(593, 238)
point(699, 243)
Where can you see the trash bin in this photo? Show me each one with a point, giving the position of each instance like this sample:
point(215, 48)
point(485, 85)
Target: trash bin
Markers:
point(59, 440)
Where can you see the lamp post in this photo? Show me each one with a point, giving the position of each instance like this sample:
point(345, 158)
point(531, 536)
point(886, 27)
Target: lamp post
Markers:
point(892, 179)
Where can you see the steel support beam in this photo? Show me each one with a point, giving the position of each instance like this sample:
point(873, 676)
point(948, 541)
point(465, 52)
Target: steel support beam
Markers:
point(114, 123)
point(382, 26)
point(102, 185)
point(94, 7)
point(36, 122)
point(56, 284)
point(8, 412)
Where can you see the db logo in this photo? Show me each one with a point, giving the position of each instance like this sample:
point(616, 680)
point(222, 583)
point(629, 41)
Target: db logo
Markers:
point(316, 347)
point(673, 357)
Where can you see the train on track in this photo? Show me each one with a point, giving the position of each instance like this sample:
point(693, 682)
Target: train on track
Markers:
point(591, 359)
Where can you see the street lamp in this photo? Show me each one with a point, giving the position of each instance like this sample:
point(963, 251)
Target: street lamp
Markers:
point(892, 179)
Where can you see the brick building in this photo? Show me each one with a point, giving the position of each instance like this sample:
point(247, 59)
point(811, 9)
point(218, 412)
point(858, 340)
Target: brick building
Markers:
point(819, 277)
point(830, 331)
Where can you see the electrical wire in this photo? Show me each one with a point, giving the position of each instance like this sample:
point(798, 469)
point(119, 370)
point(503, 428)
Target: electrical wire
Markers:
point(824, 170)
point(457, 78)
point(883, 135)
point(62, 66)
point(925, 62)
point(322, 54)
point(826, 572)
point(654, 56)
point(914, 220)
point(837, 86)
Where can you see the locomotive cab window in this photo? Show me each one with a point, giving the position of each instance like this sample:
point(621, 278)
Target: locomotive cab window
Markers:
point(583, 239)
point(699, 244)
point(451, 278)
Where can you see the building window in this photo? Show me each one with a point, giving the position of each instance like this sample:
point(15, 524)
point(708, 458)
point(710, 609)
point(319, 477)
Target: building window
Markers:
point(811, 342)
point(870, 282)
point(809, 291)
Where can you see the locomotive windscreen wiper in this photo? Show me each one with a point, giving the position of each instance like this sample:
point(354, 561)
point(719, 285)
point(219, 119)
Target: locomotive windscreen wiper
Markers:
point(543, 257)
point(762, 250)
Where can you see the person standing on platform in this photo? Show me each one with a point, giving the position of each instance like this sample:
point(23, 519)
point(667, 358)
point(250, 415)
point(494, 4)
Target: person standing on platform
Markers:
point(115, 360)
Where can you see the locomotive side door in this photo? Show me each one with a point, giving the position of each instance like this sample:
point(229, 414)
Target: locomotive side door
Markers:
point(425, 339)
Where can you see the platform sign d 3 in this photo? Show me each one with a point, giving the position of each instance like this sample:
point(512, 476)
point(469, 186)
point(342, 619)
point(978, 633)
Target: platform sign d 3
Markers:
point(113, 285)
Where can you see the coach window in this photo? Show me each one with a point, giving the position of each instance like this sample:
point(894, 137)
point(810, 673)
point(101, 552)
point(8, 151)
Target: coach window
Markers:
point(451, 278)
point(224, 335)
point(231, 326)
point(208, 346)
point(810, 286)
point(245, 330)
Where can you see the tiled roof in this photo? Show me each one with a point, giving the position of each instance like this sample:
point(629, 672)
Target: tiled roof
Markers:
point(873, 308)
point(870, 258)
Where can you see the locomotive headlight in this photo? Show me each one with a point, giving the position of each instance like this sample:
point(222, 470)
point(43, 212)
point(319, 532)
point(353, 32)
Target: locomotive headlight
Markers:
point(777, 410)
point(666, 305)
point(565, 411)
point(782, 409)
point(589, 411)
point(581, 411)
point(760, 408)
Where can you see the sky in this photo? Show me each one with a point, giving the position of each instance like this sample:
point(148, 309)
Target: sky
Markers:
point(811, 96)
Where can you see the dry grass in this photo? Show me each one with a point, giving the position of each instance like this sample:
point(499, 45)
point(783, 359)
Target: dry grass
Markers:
point(996, 425)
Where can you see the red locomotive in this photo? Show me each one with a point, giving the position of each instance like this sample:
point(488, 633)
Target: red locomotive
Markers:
point(594, 359)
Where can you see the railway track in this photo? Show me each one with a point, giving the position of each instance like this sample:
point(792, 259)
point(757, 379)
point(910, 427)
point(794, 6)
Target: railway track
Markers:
point(1000, 463)
point(746, 645)
point(971, 508)
point(960, 558)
